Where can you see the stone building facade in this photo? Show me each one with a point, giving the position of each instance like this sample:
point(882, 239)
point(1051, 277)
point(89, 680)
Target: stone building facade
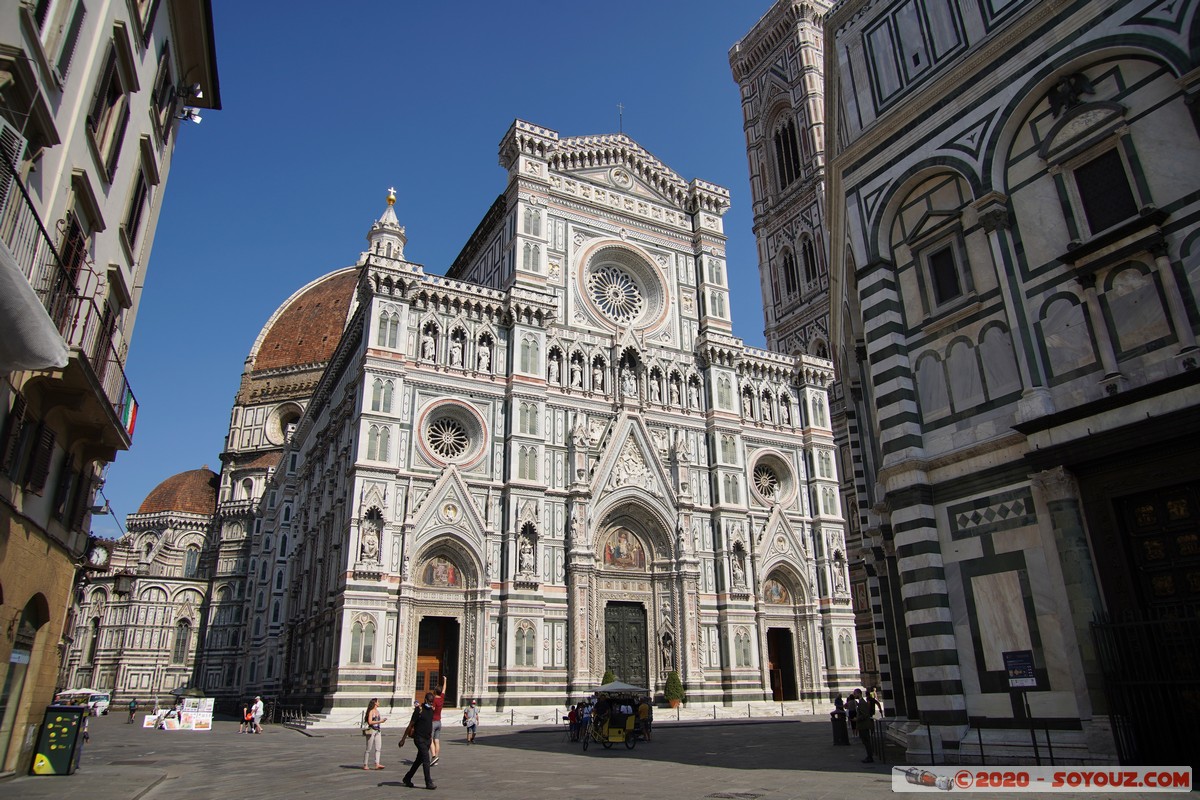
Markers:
point(557, 460)
point(1013, 230)
point(91, 100)
point(554, 460)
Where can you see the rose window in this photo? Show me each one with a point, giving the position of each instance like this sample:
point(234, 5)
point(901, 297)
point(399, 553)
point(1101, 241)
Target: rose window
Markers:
point(616, 294)
point(766, 481)
point(447, 438)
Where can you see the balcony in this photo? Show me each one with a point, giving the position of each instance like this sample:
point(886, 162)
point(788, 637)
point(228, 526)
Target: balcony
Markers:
point(92, 386)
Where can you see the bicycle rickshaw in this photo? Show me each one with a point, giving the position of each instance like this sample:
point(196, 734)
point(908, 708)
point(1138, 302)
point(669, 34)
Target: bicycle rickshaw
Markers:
point(616, 726)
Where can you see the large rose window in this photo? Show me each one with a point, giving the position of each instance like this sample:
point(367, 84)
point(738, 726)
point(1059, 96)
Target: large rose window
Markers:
point(616, 294)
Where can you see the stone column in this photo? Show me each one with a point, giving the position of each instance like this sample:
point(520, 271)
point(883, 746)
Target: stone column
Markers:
point(994, 218)
point(1057, 490)
point(1108, 356)
point(1179, 317)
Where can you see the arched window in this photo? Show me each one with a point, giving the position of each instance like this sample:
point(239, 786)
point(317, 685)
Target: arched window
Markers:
point(790, 277)
point(378, 440)
point(283, 551)
point(787, 154)
point(247, 489)
point(191, 561)
point(529, 355)
point(279, 580)
point(368, 643)
point(183, 640)
point(275, 612)
point(356, 632)
point(526, 644)
point(262, 576)
point(93, 640)
point(809, 253)
point(389, 329)
point(381, 395)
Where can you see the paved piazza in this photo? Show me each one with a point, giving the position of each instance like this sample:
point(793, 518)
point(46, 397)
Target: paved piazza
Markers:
point(759, 760)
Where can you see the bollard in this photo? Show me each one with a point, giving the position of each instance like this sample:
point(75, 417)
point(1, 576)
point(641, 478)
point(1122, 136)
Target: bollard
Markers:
point(677, 713)
point(781, 709)
point(747, 711)
point(714, 712)
point(512, 720)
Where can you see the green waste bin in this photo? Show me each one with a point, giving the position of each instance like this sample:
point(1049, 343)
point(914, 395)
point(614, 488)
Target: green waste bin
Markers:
point(62, 727)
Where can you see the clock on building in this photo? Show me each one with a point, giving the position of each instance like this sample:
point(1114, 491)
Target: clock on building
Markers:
point(98, 555)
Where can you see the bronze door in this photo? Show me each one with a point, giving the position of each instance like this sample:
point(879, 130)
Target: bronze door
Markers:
point(625, 643)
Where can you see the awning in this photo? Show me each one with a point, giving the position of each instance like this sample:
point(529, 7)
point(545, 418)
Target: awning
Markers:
point(30, 339)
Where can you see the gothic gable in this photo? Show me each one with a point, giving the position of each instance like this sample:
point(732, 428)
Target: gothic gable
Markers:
point(449, 504)
point(617, 162)
point(629, 461)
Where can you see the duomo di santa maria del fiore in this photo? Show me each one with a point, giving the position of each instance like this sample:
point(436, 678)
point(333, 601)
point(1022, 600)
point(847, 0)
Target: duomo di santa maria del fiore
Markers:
point(552, 461)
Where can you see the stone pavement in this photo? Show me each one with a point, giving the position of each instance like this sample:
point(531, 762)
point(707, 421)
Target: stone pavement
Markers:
point(725, 760)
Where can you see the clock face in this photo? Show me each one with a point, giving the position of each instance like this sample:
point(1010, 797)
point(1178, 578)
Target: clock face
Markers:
point(98, 557)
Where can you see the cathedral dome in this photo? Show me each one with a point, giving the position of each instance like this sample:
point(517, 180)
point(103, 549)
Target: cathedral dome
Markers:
point(306, 328)
point(192, 492)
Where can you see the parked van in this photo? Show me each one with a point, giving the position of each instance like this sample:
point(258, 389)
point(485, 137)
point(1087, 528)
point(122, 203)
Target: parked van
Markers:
point(95, 699)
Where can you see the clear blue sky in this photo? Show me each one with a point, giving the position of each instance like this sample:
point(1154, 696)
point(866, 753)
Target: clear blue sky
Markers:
point(327, 105)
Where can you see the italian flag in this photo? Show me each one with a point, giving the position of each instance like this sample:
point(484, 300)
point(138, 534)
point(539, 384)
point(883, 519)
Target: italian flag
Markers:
point(129, 411)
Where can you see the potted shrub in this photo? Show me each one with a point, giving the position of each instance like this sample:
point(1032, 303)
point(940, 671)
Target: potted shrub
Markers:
point(673, 693)
point(608, 677)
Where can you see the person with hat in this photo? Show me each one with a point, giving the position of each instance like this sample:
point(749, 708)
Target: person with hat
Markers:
point(471, 720)
point(256, 711)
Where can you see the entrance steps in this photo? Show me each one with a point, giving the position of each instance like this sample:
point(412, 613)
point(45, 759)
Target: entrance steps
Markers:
point(530, 716)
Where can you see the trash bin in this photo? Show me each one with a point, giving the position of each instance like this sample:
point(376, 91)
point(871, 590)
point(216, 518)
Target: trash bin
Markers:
point(58, 740)
point(840, 734)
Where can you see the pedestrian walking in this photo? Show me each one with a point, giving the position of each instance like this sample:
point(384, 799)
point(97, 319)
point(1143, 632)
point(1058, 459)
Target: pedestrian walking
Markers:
point(374, 734)
point(256, 712)
point(645, 717)
point(247, 720)
point(864, 713)
point(471, 720)
point(438, 700)
point(132, 710)
point(421, 728)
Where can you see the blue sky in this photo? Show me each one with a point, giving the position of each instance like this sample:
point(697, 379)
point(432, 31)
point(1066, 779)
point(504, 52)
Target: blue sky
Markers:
point(322, 112)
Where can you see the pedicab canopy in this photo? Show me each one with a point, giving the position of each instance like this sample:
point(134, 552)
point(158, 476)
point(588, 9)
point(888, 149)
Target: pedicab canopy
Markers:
point(619, 687)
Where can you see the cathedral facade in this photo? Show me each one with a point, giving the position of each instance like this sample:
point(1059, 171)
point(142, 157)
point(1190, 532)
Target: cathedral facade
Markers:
point(553, 461)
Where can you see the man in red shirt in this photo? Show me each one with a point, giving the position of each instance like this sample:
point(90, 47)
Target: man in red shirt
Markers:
point(438, 700)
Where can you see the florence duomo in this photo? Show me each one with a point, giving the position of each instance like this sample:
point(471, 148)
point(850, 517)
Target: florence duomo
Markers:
point(519, 447)
point(553, 461)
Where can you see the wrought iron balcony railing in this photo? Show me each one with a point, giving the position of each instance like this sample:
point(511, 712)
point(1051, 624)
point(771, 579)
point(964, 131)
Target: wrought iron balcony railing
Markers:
point(67, 287)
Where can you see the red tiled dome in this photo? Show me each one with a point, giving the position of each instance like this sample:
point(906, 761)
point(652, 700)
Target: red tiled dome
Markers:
point(307, 327)
point(192, 492)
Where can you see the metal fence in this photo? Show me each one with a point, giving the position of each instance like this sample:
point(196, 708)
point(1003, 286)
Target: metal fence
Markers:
point(1151, 668)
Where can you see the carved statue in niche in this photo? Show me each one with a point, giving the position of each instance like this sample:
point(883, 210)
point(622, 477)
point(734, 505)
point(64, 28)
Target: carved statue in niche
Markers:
point(485, 356)
point(628, 383)
point(576, 522)
point(746, 406)
point(597, 378)
point(525, 562)
point(552, 370)
point(576, 375)
point(739, 568)
point(785, 414)
point(693, 396)
point(655, 391)
point(456, 352)
point(674, 393)
point(428, 349)
point(668, 658)
point(372, 529)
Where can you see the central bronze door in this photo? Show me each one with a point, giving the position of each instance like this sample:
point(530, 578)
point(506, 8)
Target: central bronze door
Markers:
point(625, 643)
